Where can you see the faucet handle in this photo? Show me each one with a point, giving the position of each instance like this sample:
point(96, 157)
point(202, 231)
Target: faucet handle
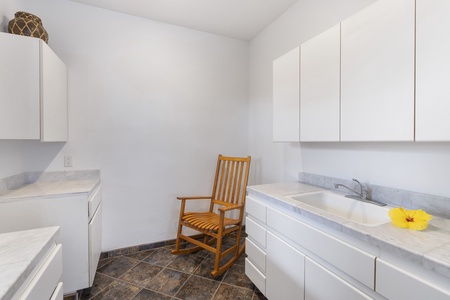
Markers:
point(362, 188)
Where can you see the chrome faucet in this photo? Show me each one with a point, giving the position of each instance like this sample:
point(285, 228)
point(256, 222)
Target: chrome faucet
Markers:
point(361, 195)
point(362, 189)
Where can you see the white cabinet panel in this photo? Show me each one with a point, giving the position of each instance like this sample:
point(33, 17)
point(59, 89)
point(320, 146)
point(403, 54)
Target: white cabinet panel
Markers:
point(377, 73)
point(46, 279)
point(256, 232)
point(286, 97)
point(326, 246)
point(58, 293)
point(258, 278)
point(95, 243)
point(255, 209)
point(33, 83)
point(53, 96)
point(256, 255)
point(19, 86)
point(320, 87)
point(285, 270)
point(432, 71)
point(406, 286)
point(320, 284)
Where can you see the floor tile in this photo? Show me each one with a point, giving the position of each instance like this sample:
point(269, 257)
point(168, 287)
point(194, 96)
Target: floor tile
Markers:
point(100, 283)
point(205, 269)
point(168, 281)
point(118, 290)
point(104, 261)
point(145, 294)
point(155, 273)
point(228, 292)
point(198, 288)
point(258, 295)
point(236, 276)
point(141, 255)
point(161, 257)
point(118, 266)
point(186, 263)
point(141, 274)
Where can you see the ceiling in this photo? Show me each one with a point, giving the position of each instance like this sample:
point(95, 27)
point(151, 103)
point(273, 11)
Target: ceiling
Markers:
point(239, 19)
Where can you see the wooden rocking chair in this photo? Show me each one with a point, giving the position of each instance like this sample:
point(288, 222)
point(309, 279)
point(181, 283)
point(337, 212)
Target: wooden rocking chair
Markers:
point(228, 194)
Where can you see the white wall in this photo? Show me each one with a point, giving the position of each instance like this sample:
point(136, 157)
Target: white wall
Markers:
point(151, 105)
point(420, 167)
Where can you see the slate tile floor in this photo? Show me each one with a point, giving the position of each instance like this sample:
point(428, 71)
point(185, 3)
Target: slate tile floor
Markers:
point(158, 274)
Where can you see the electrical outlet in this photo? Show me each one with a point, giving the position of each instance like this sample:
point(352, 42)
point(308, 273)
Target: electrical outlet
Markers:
point(68, 162)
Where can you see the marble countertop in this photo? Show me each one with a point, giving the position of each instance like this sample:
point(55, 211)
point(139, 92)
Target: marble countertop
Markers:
point(20, 252)
point(50, 189)
point(429, 248)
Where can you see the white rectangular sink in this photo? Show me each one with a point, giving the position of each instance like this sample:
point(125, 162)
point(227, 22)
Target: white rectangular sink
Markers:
point(350, 209)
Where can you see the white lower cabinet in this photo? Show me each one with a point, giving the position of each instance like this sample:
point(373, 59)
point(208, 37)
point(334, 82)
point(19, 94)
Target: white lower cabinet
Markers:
point(320, 283)
point(292, 257)
point(78, 215)
point(280, 258)
point(285, 270)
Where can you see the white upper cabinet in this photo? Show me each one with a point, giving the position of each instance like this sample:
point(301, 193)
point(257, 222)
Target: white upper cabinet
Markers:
point(320, 87)
point(377, 73)
point(286, 97)
point(432, 70)
point(33, 85)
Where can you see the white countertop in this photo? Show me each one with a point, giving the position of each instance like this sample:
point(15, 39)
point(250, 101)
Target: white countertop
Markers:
point(50, 189)
point(20, 252)
point(429, 248)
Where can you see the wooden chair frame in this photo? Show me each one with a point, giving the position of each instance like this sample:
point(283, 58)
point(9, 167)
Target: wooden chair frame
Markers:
point(228, 194)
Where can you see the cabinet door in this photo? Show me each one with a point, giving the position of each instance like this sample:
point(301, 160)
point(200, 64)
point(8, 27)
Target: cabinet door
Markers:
point(284, 270)
point(320, 87)
point(407, 285)
point(286, 97)
point(432, 70)
point(320, 283)
point(95, 243)
point(377, 75)
point(19, 86)
point(53, 96)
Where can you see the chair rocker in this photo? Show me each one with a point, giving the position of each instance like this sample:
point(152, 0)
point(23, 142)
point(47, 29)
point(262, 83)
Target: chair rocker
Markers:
point(228, 194)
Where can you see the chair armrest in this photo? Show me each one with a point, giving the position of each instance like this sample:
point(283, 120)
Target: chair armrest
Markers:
point(230, 207)
point(194, 198)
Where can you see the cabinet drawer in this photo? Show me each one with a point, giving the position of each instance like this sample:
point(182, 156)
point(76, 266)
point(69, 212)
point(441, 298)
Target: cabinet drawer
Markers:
point(334, 251)
point(407, 285)
point(322, 284)
point(255, 209)
point(47, 278)
point(255, 276)
point(58, 293)
point(94, 201)
point(256, 255)
point(255, 232)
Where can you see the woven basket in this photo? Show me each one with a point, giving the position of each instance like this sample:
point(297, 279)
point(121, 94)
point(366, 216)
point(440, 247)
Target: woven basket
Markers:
point(28, 25)
point(27, 15)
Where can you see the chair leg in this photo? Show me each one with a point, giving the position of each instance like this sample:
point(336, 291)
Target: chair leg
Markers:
point(218, 270)
point(217, 256)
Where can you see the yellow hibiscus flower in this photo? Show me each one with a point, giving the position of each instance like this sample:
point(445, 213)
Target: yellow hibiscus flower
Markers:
point(412, 219)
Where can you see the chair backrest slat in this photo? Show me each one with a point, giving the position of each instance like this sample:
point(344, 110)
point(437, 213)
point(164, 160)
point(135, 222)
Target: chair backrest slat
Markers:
point(231, 179)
